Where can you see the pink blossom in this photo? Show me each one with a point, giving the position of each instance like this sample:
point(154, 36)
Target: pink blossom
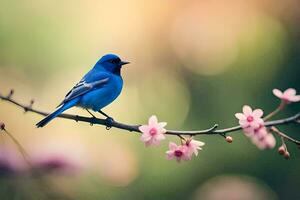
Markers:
point(253, 126)
point(180, 152)
point(193, 146)
point(58, 164)
point(266, 142)
point(250, 118)
point(269, 141)
point(153, 133)
point(57, 157)
point(260, 137)
point(259, 132)
point(287, 96)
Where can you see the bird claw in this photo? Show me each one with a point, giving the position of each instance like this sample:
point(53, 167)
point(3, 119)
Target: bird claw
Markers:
point(109, 122)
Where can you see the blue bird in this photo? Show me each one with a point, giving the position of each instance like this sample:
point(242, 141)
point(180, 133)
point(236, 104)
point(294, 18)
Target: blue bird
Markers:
point(98, 88)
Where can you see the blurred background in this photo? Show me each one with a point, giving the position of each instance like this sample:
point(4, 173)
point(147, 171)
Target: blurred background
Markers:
point(193, 64)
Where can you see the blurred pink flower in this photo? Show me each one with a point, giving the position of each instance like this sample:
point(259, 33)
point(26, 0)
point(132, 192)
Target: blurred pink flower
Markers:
point(287, 96)
point(259, 132)
point(153, 133)
point(193, 146)
point(266, 142)
point(11, 162)
point(56, 164)
point(57, 156)
point(180, 152)
point(249, 118)
point(269, 141)
point(260, 137)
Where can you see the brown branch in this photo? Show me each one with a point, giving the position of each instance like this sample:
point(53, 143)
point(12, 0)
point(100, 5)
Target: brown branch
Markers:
point(282, 135)
point(134, 128)
point(277, 110)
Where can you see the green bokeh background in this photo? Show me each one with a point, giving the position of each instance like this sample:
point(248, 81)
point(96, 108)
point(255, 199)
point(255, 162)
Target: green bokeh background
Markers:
point(193, 64)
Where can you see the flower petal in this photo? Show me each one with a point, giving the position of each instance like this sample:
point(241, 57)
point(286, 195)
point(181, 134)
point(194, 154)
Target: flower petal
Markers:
point(270, 141)
point(148, 143)
point(261, 133)
point(160, 137)
point(255, 124)
point(260, 121)
point(152, 120)
point(145, 137)
point(172, 146)
point(247, 110)
point(258, 113)
point(244, 123)
point(295, 98)
point(240, 116)
point(161, 130)
point(170, 155)
point(249, 130)
point(154, 141)
point(277, 93)
point(258, 143)
point(144, 128)
point(289, 92)
point(162, 124)
point(198, 143)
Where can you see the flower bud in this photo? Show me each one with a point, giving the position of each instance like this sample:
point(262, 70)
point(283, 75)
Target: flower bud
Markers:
point(2, 126)
point(31, 102)
point(229, 139)
point(281, 150)
point(286, 155)
point(11, 92)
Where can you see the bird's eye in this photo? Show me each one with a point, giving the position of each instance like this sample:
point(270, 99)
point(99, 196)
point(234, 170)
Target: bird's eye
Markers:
point(115, 61)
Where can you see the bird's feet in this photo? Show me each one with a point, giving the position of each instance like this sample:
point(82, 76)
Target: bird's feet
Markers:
point(93, 119)
point(109, 122)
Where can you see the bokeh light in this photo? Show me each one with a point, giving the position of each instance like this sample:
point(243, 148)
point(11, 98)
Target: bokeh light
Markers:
point(234, 188)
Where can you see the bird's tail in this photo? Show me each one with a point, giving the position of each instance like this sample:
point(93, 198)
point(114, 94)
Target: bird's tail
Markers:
point(57, 112)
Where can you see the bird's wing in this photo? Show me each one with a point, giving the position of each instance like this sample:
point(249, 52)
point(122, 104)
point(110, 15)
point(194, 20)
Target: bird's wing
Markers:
point(83, 87)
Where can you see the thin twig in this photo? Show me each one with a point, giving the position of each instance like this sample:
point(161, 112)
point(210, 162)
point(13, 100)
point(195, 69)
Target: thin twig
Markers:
point(20, 147)
point(281, 134)
point(283, 143)
point(277, 110)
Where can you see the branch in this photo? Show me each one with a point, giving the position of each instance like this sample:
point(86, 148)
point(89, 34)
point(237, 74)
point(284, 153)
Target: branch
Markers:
point(135, 128)
point(282, 135)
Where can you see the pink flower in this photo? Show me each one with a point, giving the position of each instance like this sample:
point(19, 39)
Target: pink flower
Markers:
point(153, 133)
point(193, 146)
point(180, 152)
point(259, 132)
point(260, 137)
point(57, 157)
point(266, 142)
point(269, 141)
point(58, 164)
point(250, 118)
point(287, 96)
point(253, 126)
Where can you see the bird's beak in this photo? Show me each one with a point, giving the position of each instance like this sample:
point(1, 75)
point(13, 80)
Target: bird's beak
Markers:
point(124, 62)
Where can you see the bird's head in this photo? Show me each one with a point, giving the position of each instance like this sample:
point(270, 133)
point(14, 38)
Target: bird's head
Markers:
point(112, 63)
